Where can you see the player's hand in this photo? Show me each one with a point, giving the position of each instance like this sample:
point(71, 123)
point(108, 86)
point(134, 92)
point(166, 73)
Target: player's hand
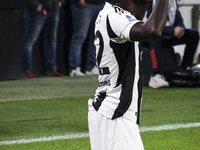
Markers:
point(60, 4)
point(179, 32)
point(81, 3)
point(40, 7)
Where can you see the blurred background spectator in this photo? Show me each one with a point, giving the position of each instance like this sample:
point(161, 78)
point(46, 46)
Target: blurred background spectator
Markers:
point(174, 33)
point(84, 13)
point(41, 16)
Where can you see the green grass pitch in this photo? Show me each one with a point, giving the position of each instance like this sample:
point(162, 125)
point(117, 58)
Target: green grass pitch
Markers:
point(49, 107)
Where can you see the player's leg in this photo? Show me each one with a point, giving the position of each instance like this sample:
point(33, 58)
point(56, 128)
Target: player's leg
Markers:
point(128, 137)
point(34, 24)
point(108, 134)
point(102, 131)
point(81, 18)
point(191, 39)
point(156, 80)
point(50, 38)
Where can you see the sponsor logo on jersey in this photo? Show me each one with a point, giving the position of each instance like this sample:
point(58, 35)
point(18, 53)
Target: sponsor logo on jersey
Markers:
point(104, 83)
point(129, 18)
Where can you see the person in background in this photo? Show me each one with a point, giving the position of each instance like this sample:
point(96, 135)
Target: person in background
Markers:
point(113, 114)
point(174, 33)
point(41, 16)
point(84, 13)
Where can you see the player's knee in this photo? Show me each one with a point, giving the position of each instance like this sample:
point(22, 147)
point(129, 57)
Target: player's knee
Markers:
point(194, 34)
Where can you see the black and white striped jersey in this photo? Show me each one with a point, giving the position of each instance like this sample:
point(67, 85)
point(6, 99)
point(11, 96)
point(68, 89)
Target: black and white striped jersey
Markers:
point(118, 59)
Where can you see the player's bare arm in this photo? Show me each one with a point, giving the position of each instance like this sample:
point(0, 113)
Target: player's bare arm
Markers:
point(152, 29)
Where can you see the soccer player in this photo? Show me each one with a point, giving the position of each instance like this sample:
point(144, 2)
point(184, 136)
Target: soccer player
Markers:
point(113, 115)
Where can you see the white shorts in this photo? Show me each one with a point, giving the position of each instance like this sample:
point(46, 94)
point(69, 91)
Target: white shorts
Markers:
point(117, 134)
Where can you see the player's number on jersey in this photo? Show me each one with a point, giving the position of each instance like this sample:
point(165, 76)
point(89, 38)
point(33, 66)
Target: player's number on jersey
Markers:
point(102, 70)
point(101, 45)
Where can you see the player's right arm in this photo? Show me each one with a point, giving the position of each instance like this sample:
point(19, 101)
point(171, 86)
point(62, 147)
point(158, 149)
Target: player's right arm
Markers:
point(153, 27)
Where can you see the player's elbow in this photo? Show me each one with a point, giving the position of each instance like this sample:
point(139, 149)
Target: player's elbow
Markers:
point(155, 34)
point(145, 32)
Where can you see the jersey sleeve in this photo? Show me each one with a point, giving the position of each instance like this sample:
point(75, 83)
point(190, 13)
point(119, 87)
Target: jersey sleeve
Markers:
point(121, 24)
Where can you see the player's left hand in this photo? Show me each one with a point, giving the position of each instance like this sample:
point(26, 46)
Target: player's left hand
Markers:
point(60, 4)
point(179, 32)
point(82, 3)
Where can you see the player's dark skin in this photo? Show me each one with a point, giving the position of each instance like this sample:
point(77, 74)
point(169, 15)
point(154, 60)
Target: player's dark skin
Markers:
point(152, 29)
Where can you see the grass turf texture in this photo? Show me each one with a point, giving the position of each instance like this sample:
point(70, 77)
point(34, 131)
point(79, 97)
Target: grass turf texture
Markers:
point(181, 139)
point(58, 106)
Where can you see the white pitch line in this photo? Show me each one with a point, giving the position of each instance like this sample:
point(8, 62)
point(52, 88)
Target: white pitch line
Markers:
point(82, 135)
point(42, 139)
point(169, 127)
